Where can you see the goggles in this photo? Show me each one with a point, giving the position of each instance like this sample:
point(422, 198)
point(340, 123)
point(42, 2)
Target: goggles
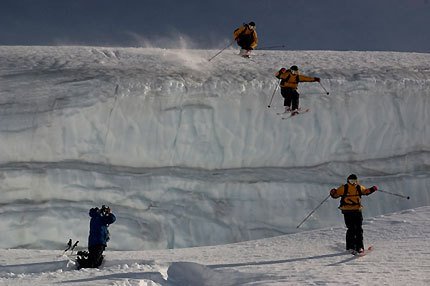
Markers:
point(353, 181)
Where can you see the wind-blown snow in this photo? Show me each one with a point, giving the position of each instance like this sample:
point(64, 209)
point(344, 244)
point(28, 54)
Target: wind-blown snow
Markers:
point(186, 152)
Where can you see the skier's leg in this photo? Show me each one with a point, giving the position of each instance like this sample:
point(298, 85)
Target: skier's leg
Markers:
point(245, 44)
point(358, 230)
point(99, 260)
point(95, 255)
point(92, 256)
point(295, 100)
point(350, 237)
point(287, 99)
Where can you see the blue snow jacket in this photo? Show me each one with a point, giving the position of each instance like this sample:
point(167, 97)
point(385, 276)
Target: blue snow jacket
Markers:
point(99, 233)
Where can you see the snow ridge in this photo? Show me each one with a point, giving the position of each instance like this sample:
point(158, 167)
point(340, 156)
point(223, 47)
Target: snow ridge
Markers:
point(183, 149)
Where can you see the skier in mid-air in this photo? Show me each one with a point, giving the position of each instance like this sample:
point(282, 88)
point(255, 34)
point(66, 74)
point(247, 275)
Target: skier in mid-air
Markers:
point(289, 81)
point(97, 239)
point(350, 205)
point(246, 38)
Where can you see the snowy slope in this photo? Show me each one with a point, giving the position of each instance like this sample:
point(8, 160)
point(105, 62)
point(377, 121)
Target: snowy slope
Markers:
point(186, 152)
point(400, 257)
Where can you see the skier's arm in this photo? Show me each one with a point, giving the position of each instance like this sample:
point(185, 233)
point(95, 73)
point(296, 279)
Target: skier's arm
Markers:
point(304, 78)
point(368, 191)
point(336, 193)
point(279, 74)
point(237, 32)
point(109, 219)
point(255, 42)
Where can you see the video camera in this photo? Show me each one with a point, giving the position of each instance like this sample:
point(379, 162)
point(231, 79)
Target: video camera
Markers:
point(105, 210)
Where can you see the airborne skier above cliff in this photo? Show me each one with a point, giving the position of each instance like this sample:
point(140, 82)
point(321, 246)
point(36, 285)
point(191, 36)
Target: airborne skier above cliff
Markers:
point(289, 81)
point(247, 39)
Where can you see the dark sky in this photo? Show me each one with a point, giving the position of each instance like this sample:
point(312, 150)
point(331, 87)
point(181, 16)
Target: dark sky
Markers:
point(389, 25)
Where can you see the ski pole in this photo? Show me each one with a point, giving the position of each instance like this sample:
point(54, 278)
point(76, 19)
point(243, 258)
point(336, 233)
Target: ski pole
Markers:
point(313, 211)
point(69, 245)
point(231, 43)
point(273, 94)
point(393, 194)
point(272, 47)
point(314, 93)
point(324, 88)
point(74, 245)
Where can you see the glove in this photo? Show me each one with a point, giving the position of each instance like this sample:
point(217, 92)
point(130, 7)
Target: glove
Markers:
point(374, 188)
point(333, 193)
point(280, 72)
point(317, 79)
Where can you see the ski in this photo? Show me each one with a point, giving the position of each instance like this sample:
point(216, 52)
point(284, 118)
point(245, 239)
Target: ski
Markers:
point(364, 252)
point(70, 247)
point(74, 245)
point(245, 53)
point(293, 114)
point(300, 110)
point(247, 58)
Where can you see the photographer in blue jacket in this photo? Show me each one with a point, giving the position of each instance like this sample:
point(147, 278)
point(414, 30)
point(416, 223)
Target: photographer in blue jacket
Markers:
point(98, 237)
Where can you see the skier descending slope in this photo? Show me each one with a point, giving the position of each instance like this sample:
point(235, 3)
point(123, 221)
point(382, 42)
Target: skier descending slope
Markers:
point(246, 38)
point(289, 82)
point(350, 204)
point(98, 238)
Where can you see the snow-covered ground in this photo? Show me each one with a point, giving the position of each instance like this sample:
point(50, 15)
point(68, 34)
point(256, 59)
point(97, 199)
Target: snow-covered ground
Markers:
point(400, 257)
point(187, 153)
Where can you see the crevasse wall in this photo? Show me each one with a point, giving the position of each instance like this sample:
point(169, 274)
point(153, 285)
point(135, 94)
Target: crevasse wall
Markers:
point(187, 152)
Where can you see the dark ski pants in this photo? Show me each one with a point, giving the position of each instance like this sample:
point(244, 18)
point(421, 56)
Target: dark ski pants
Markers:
point(354, 232)
point(291, 96)
point(95, 256)
point(245, 41)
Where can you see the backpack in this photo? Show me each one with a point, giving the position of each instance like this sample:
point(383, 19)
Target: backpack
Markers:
point(345, 195)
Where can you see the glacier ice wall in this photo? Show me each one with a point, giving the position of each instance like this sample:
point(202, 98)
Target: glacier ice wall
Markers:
point(186, 151)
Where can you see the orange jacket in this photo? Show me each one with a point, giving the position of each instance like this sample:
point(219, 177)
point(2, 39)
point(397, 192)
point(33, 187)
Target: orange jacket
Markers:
point(245, 31)
point(351, 197)
point(291, 80)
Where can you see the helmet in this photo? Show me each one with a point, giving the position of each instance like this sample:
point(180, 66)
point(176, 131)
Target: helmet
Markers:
point(294, 68)
point(251, 24)
point(352, 177)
